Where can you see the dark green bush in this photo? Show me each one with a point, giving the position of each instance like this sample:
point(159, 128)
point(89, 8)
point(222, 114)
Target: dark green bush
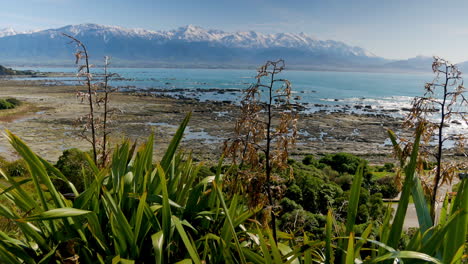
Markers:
point(342, 162)
point(344, 181)
point(13, 101)
point(310, 160)
point(9, 103)
point(390, 167)
point(376, 206)
point(289, 205)
point(318, 195)
point(348, 163)
point(387, 187)
point(299, 221)
point(301, 170)
point(362, 214)
point(4, 104)
point(380, 168)
point(17, 168)
point(330, 173)
point(294, 192)
point(371, 207)
point(73, 164)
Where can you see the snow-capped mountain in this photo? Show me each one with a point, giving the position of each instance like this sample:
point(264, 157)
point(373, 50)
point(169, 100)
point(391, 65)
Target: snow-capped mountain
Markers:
point(191, 33)
point(4, 32)
point(190, 45)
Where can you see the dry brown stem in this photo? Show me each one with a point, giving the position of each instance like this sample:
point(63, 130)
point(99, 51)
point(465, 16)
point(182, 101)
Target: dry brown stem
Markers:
point(265, 130)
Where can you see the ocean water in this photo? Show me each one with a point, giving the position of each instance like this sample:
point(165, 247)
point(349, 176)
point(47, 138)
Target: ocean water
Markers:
point(380, 90)
point(353, 92)
point(348, 92)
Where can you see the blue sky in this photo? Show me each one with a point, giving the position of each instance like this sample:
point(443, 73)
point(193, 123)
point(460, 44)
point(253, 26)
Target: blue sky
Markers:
point(395, 29)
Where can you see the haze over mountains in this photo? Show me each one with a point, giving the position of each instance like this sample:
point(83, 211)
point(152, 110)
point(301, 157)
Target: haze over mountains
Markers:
point(192, 46)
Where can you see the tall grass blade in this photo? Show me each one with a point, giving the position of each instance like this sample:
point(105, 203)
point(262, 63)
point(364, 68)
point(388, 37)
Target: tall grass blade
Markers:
point(7, 257)
point(166, 209)
point(35, 166)
point(444, 211)
point(350, 250)
point(229, 219)
point(422, 208)
point(353, 205)
point(360, 243)
point(120, 222)
point(410, 169)
point(171, 149)
point(407, 255)
point(275, 252)
point(119, 260)
point(458, 231)
point(329, 258)
point(158, 247)
point(354, 199)
point(56, 214)
point(188, 245)
point(434, 240)
point(139, 217)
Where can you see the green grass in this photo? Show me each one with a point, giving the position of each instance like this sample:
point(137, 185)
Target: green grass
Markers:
point(380, 174)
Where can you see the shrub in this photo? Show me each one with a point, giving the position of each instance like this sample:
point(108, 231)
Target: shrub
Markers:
point(9, 103)
point(329, 172)
point(387, 187)
point(289, 205)
point(4, 104)
point(347, 163)
point(72, 164)
point(362, 214)
point(371, 207)
point(13, 101)
point(299, 221)
point(301, 170)
point(344, 181)
point(376, 206)
point(309, 160)
point(390, 167)
point(17, 168)
point(294, 192)
point(318, 195)
point(342, 162)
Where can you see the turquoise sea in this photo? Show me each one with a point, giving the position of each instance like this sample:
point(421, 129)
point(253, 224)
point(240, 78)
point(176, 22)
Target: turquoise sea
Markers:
point(379, 90)
point(349, 92)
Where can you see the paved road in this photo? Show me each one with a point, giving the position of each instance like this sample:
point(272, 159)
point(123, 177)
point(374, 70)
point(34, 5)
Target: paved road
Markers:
point(411, 219)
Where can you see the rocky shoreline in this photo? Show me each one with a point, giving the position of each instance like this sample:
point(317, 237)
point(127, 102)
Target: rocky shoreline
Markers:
point(48, 127)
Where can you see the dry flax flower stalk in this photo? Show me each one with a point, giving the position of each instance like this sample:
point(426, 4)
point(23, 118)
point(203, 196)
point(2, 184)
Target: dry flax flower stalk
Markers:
point(444, 100)
point(265, 131)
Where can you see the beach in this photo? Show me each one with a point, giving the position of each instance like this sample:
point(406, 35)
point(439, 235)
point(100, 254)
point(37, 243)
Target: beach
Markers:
point(46, 123)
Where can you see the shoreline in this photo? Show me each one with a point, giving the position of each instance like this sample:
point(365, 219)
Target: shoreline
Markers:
point(48, 127)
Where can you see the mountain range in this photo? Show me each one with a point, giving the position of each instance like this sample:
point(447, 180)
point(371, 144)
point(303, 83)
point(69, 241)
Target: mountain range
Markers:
point(192, 46)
